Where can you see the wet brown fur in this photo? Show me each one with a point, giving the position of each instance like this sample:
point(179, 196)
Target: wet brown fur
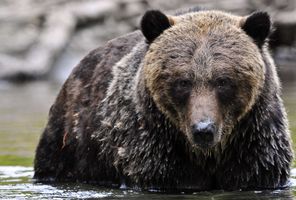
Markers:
point(123, 127)
point(228, 51)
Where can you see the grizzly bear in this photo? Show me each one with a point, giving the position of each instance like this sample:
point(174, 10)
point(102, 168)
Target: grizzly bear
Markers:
point(192, 102)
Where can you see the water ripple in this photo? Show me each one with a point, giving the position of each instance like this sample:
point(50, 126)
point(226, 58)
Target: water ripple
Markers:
point(16, 183)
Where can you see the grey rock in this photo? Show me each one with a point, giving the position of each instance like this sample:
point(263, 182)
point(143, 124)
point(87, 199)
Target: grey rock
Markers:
point(36, 36)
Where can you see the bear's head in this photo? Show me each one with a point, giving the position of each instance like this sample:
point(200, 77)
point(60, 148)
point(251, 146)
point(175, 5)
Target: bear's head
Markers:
point(205, 70)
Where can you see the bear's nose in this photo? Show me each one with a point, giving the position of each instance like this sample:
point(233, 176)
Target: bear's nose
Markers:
point(203, 132)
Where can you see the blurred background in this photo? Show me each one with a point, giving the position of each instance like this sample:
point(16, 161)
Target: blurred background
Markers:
point(42, 40)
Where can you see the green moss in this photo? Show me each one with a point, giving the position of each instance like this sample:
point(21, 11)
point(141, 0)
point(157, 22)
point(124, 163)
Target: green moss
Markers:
point(11, 160)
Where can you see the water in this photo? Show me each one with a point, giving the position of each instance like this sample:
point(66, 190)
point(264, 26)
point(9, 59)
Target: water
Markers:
point(24, 109)
point(23, 114)
point(16, 183)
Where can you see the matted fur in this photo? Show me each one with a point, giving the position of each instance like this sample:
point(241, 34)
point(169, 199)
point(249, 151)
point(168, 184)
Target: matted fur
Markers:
point(110, 124)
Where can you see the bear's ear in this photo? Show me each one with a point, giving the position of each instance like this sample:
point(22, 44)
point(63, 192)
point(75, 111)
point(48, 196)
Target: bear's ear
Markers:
point(258, 26)
point(153, 23)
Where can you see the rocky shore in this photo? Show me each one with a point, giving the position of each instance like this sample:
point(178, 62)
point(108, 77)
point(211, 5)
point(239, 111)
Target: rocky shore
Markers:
point(42, 38)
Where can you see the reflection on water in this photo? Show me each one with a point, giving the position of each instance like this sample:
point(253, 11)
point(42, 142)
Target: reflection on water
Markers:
point(16, 183)
point(23, 114)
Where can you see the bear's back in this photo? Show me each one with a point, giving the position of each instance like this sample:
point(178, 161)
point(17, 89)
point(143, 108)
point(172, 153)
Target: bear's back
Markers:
point(94, 71)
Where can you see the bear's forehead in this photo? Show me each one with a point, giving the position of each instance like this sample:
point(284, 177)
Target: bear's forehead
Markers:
point(186, 41)
point(215, 28)
point(203, 32)
point(205, 26)
point(209, 41)
point(206, 19)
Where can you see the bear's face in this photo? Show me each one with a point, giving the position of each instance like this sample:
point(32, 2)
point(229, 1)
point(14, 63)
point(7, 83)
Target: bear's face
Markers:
point(204, 72)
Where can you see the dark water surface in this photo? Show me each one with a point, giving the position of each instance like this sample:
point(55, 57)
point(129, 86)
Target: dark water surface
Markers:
point(16, 183)
point(23, 114)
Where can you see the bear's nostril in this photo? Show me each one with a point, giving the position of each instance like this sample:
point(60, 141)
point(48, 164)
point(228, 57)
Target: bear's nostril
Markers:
point(203, 132)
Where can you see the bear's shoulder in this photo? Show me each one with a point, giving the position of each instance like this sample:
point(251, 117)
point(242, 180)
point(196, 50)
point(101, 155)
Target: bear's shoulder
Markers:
point(106, 56)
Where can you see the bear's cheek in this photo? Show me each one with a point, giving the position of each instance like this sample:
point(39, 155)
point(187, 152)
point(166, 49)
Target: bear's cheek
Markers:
point(164, 101)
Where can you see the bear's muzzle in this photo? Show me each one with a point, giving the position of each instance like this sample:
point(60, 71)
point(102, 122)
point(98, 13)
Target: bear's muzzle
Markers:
point(203, 133)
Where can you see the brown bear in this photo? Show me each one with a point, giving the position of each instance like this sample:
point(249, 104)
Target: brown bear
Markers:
point(192, 102)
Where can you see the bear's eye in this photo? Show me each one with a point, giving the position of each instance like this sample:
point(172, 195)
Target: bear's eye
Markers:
point(180, 91)
point(173, 56)
point(183, 83)
point(223, 83)
point(226, 90)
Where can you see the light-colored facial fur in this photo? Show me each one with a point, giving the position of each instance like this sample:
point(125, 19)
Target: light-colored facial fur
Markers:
point(203, 48)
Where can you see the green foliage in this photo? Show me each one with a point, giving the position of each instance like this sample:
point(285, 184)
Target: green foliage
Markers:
point(13, 160)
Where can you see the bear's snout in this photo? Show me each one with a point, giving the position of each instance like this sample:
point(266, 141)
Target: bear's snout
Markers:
point(204, 133)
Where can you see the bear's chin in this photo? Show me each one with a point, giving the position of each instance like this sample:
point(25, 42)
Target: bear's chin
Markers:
point(205, 146)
